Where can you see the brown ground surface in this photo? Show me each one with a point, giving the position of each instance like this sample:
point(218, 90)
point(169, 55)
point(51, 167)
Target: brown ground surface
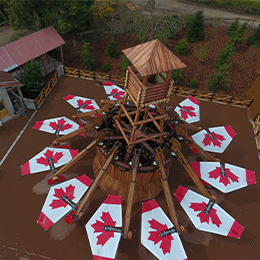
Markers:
point(22, 197)
point(244, 63)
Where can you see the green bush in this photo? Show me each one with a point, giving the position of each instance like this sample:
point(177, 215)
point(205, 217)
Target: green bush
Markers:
point(196, 29)
point(87, 56)
point(202, 52)
point(124, 63)
point(233, 28)
point(237, 36)
point(177, 76)
point(33, 79)
point(111, 49)
point(105, 67)
point(254, 38)
point(218, 81)
point(193, 83)
point(182, 48)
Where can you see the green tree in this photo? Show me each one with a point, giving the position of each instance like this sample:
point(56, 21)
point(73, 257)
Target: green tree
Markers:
point(218, 81)
point(196, 29)
point(177, 75)
point(193, 83)
point(182, 48)
point(33, 79)
point(111, 49)
point(124, 63)
point(105, 67)
point(65, 16)
point(254, 38)
point(87, 56)
point(233, 28)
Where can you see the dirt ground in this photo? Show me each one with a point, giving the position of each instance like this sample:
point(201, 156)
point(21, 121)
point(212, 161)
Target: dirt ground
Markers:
point(23, 196)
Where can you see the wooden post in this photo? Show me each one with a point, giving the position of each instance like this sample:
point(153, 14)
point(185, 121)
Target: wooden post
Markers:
point(44, 63)
point(131, 194)
point(94, 185)
point(193, 175)
point(20, 92)
point(160, 161)
point(61, 54)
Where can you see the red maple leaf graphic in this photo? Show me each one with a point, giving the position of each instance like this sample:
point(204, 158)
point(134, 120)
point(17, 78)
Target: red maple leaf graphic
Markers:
point(62, 122)
point(88, 104)
point(59, 193)
point(207, 140)
point(190, 112)
point(204, 217)
point(155, 237)
point(99, 227)
point(47, 154)
point(224, 179)
point(117, 94)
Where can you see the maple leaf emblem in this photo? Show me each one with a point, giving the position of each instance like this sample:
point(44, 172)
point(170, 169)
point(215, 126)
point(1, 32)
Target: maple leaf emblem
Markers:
point(224, 179)
point(205, 217)
point(155, 237)
point(217, 142)
point(187, 111)
point(117, 94)
point(99, 227)
point(88, 103)
point(47, 154)
point(58, 193)
point(62, 122)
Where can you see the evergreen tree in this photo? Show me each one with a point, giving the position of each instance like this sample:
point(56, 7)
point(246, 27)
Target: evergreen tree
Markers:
point(182, 48)
point(196, 29)
point(87, 56)
point(111, 49)
point(254, 38)
point(218, 81)
point(233, 28)
point(33, 79)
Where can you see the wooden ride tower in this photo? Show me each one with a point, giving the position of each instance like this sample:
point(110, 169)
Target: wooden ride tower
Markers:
point(140, 120)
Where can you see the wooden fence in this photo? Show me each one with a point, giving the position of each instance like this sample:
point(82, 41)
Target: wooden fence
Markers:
point(256, 124)
point(45, 91)
point(254, 93)
point(91, 75)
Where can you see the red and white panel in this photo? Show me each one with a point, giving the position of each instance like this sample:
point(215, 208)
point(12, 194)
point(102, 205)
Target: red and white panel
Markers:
point(54, 207)
point(113, 90)
point(234, 178)
point(40, 163)
point(222, 136)
point(51, 125)
point(154, 221)
point(103, 243)
point(217, 221)
point(76, 101)
point(189, 110)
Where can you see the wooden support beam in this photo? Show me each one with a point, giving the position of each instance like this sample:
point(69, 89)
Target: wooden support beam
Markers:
point(127, 115)
point(147, 138)
point(20, 92)
point(166, 188)
point(61, 54)
point(131, 194)
point(160, 117)
point(44, 63)
point(155, 123)
point(94, 185)
point(193, 175)
point(122, 131)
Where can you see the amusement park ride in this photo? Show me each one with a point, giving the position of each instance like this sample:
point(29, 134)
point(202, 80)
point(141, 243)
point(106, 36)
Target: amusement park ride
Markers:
point(137, 137)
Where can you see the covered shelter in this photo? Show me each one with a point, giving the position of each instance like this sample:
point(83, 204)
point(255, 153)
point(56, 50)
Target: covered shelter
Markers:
point(11, 97)
point(35, 45)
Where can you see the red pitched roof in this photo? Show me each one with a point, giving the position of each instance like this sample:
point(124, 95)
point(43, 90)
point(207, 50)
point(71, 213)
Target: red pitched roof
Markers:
point(32, 46)
point(6, 80)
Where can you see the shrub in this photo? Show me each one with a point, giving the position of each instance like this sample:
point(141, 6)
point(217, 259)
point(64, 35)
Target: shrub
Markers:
point(233, 28)
point(177, 76)
point(202, 52)
point(196, 29)
point(33, 79)
point(111, 50)
point(182, 48)
point(124, 63)
point(237, 36)
point(254, 38)
point(218, 81)
point(193, 83)
point(87, 56)
point(105, 67)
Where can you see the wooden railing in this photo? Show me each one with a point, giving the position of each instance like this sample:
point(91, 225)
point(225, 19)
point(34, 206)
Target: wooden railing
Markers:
point(91, 75)
point(212, 96)
point(176, 90)
point(256, 124)
point(45, 91)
